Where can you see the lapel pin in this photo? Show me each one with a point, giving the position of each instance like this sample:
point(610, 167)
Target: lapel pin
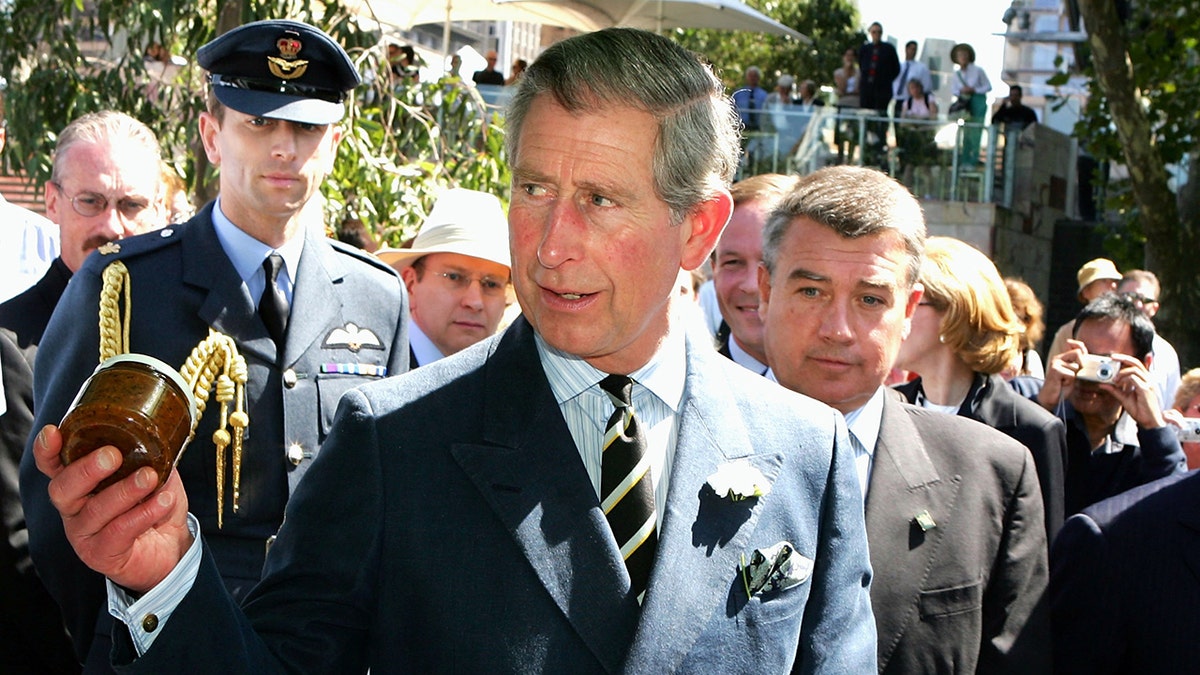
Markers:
point(109, 248)
point(925, 521)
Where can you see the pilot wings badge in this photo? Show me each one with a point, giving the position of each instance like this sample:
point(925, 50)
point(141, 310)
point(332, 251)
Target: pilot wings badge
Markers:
point(352, 337)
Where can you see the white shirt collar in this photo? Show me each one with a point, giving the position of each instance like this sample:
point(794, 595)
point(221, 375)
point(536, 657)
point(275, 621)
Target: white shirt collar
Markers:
point(864, 423)
point(664, 375)
point(744, 359)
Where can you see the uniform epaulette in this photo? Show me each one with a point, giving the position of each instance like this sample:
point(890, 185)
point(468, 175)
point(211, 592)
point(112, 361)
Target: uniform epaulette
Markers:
point(359, 254)
point(124, 249)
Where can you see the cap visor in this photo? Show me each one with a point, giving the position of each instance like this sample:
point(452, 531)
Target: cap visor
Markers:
point(280, 106)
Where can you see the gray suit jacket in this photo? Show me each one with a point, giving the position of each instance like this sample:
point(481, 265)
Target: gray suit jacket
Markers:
point(964, 593)
point(449, 526)
point(183, 284)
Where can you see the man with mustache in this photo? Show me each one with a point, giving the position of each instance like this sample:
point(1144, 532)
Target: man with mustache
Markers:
point(105, 185)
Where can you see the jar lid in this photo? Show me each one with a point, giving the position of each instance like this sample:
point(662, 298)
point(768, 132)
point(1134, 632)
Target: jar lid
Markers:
point(160, 367)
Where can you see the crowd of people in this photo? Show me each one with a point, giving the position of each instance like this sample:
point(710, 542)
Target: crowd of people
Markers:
point(896, 99)
point(540, 441)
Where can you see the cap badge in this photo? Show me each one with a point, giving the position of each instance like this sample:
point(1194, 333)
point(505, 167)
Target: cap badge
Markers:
point(286, 66)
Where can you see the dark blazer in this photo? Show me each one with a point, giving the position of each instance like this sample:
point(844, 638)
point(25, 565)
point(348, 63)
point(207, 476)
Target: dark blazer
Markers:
point(32, 636)
point(183, 284)
point(1125, 583)
point(28, 313)
point(964, 593)
point(992, 402)
point(450, 526)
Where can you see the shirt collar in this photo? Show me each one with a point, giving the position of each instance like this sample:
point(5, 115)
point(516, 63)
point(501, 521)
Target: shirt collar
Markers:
point(247, 253)
point(424, 349)
point(864, 423)
point(664, 375)
point(743, 359)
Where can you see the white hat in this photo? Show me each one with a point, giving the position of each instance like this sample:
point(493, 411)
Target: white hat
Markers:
point(462, 221)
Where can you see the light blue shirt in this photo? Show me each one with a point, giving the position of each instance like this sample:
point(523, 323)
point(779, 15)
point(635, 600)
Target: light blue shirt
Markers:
point(657, 397)
point(422, 347)
point(247, 255)
point(743, 359)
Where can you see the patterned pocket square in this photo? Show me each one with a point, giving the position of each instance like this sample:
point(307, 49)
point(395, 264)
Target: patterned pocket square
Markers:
point(775, 568)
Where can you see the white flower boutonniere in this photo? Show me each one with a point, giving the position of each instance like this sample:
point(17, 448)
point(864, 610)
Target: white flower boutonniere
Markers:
point(738, 481)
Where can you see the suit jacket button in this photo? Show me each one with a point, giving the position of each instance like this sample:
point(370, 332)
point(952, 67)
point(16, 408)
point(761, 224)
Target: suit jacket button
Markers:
point(295, 454)
point(289, 378)
point(149, 623)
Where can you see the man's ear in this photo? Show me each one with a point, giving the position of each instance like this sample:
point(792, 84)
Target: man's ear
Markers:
point(707, 221)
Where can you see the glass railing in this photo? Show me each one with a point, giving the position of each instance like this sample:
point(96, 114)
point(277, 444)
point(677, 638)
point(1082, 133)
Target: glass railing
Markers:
point(944, 159)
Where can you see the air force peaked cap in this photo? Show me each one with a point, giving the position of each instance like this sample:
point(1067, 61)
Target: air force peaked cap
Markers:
point(280, 69)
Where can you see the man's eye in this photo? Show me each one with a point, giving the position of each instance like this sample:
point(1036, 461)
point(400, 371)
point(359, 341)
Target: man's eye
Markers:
point(809, 292)
point(259, 121)
point(601, 200)
point(490, 284)
point(533, 190)
point(133, 205)
point(453, 276)
point(90, 200)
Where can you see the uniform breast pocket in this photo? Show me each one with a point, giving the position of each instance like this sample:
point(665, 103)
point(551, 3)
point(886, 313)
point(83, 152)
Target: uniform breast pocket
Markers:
point(330, 388)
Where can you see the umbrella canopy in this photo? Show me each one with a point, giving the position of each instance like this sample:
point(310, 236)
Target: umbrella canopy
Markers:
point(582, 15)
point(657, 15)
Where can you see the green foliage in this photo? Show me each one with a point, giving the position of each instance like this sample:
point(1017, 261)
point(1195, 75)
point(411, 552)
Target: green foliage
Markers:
point(400, 145)
point(830, 24)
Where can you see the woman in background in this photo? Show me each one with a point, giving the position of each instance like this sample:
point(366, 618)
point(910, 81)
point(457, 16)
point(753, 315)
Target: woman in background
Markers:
point(964, 332)
point(971, 85)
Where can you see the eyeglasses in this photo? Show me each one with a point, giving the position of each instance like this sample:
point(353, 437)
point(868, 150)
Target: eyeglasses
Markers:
point(1141, 299)
point(90, 204)
point(489, 286)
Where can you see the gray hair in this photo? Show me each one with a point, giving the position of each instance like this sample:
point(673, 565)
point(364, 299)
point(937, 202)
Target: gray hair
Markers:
point(121, 131)
point(854, 202)
point(696, 152)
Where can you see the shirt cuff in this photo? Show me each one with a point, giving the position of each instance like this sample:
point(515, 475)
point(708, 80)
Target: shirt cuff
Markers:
point(144, 616)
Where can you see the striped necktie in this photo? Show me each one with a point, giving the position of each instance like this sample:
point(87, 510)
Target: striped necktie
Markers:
point(626, 488)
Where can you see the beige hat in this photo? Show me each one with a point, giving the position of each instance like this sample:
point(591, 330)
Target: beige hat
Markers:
point(462, 221)
point(1094, 270)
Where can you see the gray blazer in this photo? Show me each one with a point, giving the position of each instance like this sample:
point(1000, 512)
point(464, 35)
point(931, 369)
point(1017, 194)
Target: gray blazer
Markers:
point(449, 526)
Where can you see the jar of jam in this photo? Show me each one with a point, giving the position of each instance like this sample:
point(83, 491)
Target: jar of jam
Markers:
point(137, 404)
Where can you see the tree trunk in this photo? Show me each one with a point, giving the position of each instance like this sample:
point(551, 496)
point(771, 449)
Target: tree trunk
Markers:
point(1170, 244)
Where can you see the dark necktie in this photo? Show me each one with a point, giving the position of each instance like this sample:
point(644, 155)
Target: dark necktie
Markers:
point(626, 488)
point(902, 90)
point(273, 306)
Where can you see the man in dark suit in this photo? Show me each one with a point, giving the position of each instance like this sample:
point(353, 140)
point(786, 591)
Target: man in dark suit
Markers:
point(32, 636)
point(489, 75)
point(274, 139)
point(735, 269)
point(455, 520)
point(105, 184)
point(1125, 583)
point(878, 66)
point(953, 508)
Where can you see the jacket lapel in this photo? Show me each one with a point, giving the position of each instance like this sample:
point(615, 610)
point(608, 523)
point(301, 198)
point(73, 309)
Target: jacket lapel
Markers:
point(319, 269)
point(904, 483)
point(703, 535)
point(530, 473)
point(226, 305)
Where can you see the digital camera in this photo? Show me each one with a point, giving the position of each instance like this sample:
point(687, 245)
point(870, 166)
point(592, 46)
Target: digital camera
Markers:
point(1190, 431)
point(1097, 369)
